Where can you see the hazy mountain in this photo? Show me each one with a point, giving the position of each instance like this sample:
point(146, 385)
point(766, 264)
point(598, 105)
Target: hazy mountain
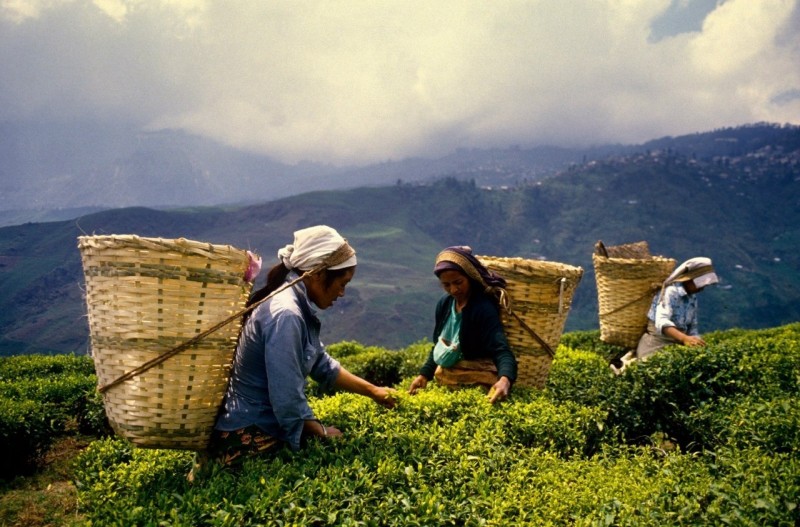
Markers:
point(732, 195)
point(57, 166)
point(48, 170)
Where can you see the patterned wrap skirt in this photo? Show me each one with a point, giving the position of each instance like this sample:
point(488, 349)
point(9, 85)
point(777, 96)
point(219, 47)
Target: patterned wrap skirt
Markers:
point(231, 448)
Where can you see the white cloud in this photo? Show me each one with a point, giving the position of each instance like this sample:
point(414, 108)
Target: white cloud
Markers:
point(18, 11)
point(354, 81)
point(116, 9)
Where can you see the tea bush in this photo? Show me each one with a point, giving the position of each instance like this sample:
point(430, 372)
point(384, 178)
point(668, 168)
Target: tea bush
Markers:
point(66, 394)
point(412, 467)
point(661, 394)
point(379, 366)
point(112, 471)
point(579, 376)
point(771, 424)
point(18, 367)
point(692, 436)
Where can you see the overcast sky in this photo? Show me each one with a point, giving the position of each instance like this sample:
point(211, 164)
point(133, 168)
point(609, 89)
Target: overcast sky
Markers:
point(360, 81)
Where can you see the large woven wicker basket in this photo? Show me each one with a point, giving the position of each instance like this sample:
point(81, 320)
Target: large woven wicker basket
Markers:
point(145, 297)
point(541, 296)
point(626, 282)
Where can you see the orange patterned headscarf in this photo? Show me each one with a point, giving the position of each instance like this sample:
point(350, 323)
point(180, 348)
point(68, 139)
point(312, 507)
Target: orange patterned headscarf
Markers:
point(460, 258)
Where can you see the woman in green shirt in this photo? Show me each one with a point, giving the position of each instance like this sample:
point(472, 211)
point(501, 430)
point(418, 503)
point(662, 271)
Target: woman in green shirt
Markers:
point(468, 332)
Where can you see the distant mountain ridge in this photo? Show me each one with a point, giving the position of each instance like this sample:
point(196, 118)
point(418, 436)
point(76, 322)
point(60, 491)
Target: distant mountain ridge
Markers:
point(48, 168)
point(738, 204)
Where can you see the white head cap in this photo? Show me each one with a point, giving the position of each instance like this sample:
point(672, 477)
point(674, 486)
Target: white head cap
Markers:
point(312, 246)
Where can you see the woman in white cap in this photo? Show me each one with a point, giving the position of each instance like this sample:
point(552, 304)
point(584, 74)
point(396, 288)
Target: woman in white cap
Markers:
point(265, 405)
point(672, 318)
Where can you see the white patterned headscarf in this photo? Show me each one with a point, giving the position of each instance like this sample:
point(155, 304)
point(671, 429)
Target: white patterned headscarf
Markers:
point(312, 246)
point(699, 269)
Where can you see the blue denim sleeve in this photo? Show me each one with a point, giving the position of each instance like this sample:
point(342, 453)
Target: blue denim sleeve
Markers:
point(325, 370)
point(284, 355)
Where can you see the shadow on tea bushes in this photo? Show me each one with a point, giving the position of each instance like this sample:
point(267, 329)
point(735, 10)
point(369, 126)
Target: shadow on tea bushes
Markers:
point(43, 397)
point(26, 431)
point(589, 341)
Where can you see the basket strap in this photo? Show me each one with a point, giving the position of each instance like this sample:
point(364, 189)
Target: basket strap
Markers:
point(505, 302)
point(337, 257)
point(533, 334)
point(649, 292)
point(194, 340)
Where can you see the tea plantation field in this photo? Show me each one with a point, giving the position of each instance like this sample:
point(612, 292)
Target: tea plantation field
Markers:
point(707, 436)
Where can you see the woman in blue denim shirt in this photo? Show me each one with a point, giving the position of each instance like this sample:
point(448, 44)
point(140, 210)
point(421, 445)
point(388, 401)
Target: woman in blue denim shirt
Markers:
point(279, 346)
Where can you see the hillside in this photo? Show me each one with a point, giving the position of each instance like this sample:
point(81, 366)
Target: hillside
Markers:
point(738, 206)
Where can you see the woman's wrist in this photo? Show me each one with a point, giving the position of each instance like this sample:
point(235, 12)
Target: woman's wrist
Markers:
point(323, 430)
point(373, 392)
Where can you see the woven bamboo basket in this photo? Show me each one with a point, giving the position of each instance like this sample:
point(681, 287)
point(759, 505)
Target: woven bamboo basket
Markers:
point(145, 297)
point(541, 295)
point(625, 288)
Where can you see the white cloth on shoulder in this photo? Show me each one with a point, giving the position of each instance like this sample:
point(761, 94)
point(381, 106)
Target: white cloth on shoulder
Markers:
point(310, 248)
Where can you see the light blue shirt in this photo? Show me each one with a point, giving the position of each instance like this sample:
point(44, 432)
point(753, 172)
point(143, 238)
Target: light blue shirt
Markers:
point(447, 350)
point(452, 327)
point(279, 347)
point(677, 308)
